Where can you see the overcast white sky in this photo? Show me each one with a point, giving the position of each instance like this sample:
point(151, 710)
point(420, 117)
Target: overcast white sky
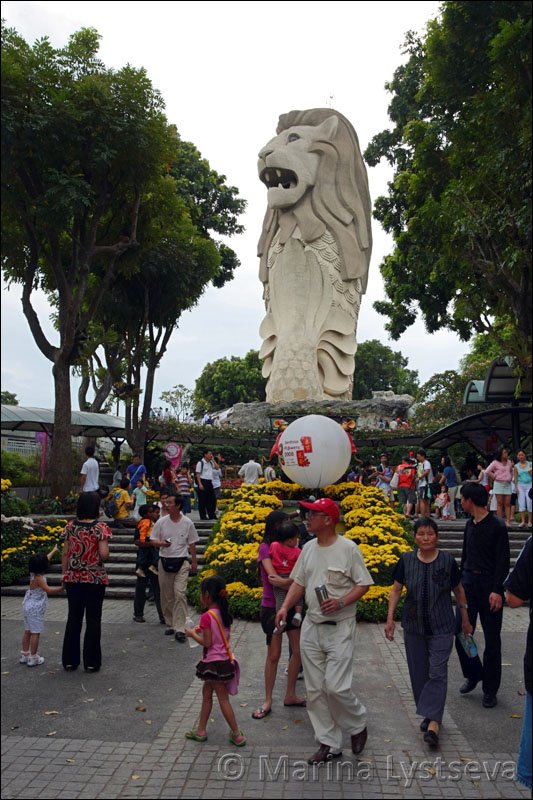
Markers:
point(227, 71)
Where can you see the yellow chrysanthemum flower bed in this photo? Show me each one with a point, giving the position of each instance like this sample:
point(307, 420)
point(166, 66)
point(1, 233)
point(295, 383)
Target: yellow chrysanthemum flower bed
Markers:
point(21, 540)
point(232, 552)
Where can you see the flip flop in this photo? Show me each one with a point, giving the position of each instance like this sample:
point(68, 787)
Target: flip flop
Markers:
point(261, 713)
point(301, 704)
point(234, 739)
point(431, 738)
point(192, 734)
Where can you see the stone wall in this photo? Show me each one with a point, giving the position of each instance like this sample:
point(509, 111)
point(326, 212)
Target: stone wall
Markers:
point(385, 406)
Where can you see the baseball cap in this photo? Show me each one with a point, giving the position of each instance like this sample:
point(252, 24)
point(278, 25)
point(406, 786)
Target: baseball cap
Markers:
point(325, 506)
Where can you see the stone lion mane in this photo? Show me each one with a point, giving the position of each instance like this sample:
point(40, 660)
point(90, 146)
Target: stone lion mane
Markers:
point(339, 201)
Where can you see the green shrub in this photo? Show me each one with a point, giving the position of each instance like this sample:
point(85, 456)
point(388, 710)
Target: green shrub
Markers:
point(11, 573)
point(193, 592)
point(13, 506)
point(45, 505)
point(241, 606)
point(239, 571)
point(20, 470)
point(69, 503)
point(245, 607)
point(375, 609)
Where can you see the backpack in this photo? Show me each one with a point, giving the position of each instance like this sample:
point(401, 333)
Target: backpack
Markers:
point(111, 506)
point(200, 472)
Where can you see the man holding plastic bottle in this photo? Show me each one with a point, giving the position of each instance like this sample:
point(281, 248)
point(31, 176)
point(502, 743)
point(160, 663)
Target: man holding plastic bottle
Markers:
point(331, 573)
point(485, 565)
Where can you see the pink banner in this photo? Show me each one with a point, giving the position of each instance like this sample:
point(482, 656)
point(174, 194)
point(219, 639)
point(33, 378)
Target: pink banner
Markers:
point(42, 439)
point(173, 452)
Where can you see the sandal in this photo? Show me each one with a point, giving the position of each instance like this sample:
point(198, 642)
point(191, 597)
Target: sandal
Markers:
point(238, 741)
point(431, 738)
point(261, 713)
point(195, 736)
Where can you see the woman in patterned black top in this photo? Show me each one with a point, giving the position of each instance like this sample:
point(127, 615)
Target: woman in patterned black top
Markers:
point(85, 549)
point(428, 621)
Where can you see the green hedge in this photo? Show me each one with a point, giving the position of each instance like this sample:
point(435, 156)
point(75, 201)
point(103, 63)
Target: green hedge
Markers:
point(241, 606)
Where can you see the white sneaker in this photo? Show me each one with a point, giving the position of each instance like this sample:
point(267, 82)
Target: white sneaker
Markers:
point(23, 657)
point(35, 661)
point(297, 620)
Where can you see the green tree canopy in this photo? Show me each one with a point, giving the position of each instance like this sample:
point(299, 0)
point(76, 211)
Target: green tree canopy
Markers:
point(377, 367)
point(83, 146)
point(459, 206)
point(9, 399)
point(164, 276)
point(440, 399)
point(228, 381)
point(214, 207)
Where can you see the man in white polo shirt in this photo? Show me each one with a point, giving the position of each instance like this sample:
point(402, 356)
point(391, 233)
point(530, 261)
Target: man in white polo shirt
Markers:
point(90, 472)
point(176, 537)
point(327, 639)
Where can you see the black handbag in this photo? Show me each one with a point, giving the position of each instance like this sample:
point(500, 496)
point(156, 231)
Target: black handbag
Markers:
point(172, 564)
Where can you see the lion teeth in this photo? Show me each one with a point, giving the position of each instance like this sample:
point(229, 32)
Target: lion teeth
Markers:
point(278, 173)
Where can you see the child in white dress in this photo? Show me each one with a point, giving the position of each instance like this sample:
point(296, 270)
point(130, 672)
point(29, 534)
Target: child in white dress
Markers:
point(34, 608)
point(443, 503)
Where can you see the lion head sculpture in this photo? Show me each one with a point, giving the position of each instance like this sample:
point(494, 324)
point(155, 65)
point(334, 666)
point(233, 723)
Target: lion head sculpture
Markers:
point(316, 180)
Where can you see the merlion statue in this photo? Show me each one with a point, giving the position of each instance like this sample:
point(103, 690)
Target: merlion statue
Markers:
point(315, 251)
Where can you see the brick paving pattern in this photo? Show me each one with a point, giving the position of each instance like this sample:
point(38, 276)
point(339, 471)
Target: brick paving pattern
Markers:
point(395, 763)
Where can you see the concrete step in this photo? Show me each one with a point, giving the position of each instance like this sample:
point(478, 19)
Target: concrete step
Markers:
point(131, 548)
point(112, 592)
point(200, 525)
point(449, 544)
point(119, 539)
point(129, 558)
point(521, 535)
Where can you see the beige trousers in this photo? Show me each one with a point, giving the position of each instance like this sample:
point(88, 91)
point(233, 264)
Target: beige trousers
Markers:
point(173, 587)
point(327, 658)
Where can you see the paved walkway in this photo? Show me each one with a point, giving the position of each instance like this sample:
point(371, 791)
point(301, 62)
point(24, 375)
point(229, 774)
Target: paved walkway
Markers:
point(120, 733)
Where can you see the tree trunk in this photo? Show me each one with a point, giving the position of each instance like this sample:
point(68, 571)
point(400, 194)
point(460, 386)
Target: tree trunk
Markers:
point(136, 440)
point(60, 470)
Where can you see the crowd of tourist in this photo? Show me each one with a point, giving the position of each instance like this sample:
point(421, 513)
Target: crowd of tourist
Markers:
point(422, 488)
point(311, 579)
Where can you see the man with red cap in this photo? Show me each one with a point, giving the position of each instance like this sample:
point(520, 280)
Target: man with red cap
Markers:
point(327, 637)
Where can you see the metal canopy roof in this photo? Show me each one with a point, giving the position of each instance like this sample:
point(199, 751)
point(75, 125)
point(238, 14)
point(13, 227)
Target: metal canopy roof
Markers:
point(473, 392)
point(499, 386)
point(486, 431)
point(83, 423)
point(501, 383)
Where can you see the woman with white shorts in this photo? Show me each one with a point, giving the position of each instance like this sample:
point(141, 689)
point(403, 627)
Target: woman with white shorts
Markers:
point(501, 472)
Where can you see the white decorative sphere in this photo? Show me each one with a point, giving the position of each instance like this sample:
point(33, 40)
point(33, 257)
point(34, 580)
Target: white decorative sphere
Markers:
point(314, 451)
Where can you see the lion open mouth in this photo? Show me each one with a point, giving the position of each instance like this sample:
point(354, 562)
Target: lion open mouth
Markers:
point(278, 178)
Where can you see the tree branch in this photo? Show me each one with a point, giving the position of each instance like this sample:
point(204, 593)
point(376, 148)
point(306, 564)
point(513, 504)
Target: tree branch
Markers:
point(47, 349)
point(115, 251)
